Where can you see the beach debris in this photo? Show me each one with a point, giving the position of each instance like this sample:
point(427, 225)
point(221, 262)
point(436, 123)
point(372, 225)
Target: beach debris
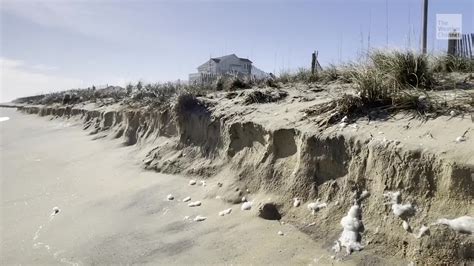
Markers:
point(311, 224)
point(199, 218)
point(424, 230)
point(352, 228)
point(186, 199)
point(246, 206)
point(342, 125)
point(296, 202)
point(244, 199)
point(4, 118)
point(452, 113)
point(170, 197)
point(219, 184)
point(345, 119)
point(194, 204)
point(316, 206)
point(406, 226)
point(226, 211)
point(280, 233)
point(463, 224)
point(192, 182)
point(186, 218)
point(218, 197)
point(203, 183)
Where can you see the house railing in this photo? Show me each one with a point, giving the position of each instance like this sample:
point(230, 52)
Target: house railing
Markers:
point(208, 78)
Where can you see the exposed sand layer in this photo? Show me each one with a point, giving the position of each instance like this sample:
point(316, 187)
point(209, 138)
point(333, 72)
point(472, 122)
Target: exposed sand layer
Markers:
point(276, 151)
point(109, 211)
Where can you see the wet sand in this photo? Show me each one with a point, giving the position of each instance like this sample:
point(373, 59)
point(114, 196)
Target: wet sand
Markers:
point(112, 211)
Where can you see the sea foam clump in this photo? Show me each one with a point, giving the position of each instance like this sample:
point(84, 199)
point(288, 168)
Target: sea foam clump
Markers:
point(316, 206)
point(400, 210)
point(351, 235)
point(463, 224)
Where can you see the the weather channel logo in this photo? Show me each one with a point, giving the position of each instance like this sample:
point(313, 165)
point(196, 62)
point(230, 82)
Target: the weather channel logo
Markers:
point(448, 26)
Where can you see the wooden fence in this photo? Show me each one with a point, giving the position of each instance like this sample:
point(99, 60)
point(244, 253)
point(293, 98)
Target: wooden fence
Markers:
point(462, 47)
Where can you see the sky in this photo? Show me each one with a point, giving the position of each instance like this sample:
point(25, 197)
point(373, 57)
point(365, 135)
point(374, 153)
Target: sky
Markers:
point(51, 45)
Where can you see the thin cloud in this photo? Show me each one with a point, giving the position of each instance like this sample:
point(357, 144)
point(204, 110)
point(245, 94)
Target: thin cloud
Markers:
point(89, 18)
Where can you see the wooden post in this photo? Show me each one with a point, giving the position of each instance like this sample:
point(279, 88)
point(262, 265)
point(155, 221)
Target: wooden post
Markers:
point(314, 59)
point(452, 45)
point(469, 46)
point(425, 26)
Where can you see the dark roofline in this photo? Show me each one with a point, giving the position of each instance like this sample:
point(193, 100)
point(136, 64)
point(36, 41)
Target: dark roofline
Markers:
point(217, 59)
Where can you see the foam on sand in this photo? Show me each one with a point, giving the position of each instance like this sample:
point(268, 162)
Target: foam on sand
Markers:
point(246, 206)
point(226, 211)
point(351, 235)
point(199, 218)
point(194, 204)
point(463, 224)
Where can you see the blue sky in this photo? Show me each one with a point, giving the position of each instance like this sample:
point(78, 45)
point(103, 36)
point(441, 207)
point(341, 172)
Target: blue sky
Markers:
point(59, 44)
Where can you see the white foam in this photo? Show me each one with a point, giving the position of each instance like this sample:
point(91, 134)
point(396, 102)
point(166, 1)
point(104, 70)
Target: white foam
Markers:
point(226, 211)
point(186, 199)
point(403, 209)
point(351, 234)
point(4, 118)
point(199, 218)
point(296, 202)
point(194, 204)
point(463, 224)
point(406, 226)
point(316, 206)
point(400, 210)
point(246, 206)
point(424, 230)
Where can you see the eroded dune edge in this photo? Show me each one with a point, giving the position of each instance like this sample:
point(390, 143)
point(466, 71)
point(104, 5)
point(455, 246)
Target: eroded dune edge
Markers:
point(401, 187)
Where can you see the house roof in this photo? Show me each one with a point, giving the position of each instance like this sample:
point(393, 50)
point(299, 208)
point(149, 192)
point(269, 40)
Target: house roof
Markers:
point(218, 59)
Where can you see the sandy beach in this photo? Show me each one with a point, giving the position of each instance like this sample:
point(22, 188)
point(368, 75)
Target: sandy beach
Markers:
point(113, 212)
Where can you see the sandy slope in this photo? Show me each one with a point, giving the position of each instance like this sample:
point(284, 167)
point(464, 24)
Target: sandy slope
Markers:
point(111, 211)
